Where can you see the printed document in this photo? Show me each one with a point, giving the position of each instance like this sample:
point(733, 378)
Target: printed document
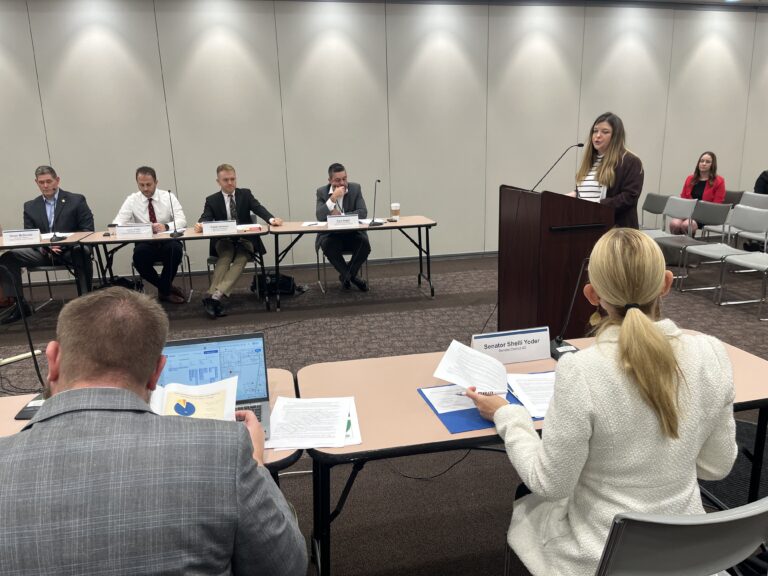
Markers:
point(465, 367)
point(215, 401)
point(310, 422)
point(447, 398)
point(533, 390)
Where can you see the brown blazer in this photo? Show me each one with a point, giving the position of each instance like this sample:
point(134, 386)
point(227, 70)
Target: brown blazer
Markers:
point(625, 192)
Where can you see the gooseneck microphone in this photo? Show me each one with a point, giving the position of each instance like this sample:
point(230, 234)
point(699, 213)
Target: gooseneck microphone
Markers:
point(373, 217)
point(55, 237)
point(559, 346)
point(579, 145)
point(175, 233)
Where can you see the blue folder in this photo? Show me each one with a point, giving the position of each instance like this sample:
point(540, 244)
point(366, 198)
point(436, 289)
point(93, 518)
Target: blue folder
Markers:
point(465, 420)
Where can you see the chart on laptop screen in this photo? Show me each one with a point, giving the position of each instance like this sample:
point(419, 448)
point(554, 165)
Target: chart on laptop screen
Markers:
point(205, 362)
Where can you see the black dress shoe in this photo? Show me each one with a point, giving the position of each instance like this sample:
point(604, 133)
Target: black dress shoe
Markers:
point(15, 314)
point(361, 284)
point(344, 282)
point(218, 306)
point(210, 307)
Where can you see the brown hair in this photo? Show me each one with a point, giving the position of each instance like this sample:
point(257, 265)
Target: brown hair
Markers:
point(712, 169)
point(626, 269)
point(113, 333)
point(606, 173)
point(224, 168)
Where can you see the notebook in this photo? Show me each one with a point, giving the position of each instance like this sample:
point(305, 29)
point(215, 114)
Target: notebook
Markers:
point(206, 360)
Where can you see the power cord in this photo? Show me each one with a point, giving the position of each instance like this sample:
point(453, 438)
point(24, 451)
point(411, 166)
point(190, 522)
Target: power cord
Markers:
point(409, 477)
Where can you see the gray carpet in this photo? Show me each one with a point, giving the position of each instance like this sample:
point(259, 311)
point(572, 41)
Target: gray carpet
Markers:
point(392, 524)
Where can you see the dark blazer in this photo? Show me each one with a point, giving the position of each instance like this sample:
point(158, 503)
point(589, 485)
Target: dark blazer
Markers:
point(71, 214)
point(625, 192)
point(352, 203)
point(245, 203)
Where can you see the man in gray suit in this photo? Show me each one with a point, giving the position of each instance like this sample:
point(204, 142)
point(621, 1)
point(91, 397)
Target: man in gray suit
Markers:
point(96, 483)
point(335, 198)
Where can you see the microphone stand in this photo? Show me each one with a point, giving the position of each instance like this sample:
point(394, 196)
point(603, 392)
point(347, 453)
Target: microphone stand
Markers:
point(55, 237)
point(175, 233)
point(579, 145)
point(373, 219)
point(559, 346)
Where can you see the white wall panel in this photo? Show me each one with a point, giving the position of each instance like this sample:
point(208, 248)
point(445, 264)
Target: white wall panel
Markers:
point(334, 89)
point(534, 69)
point(102, 96)
point(711, 60)
point(755, 158)
point(627, 53)
point(437, 60)
point(22, 146)
point(221, 77)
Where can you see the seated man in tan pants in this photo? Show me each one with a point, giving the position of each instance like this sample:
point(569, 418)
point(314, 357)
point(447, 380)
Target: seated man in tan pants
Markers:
point(230, 203)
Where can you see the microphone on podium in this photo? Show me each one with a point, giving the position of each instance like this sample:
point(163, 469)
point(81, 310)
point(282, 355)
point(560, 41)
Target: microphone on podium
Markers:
point(578, 145)
point(373, 216)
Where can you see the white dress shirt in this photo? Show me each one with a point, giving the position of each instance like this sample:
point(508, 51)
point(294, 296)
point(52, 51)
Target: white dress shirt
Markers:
point(334, 205)
point(135, 209)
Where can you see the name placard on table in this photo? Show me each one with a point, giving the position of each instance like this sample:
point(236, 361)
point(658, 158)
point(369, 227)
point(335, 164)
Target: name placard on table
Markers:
point(514, 345)
point(337, 222)
point(133, 231)
point(18, 237)
point(220, 227)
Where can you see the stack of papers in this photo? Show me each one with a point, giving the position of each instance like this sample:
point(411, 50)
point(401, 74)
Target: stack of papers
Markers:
point(215, 400)
point(533, 390)
point(313, 423)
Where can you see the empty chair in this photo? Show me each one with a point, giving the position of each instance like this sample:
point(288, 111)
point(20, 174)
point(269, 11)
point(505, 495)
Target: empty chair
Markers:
point(733, 197)
point(653, 204)
point(745, 219)
point(705, 213)
point(675, 207)
point(698, 545)
point(754, 200)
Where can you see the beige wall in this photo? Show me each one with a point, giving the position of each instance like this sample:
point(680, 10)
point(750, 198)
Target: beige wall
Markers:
point(442, 102)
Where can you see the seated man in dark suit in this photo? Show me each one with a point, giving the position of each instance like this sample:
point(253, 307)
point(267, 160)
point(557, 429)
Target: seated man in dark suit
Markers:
point(97, 483)
point(55, 210)
point(335, 198)
point(230, 203)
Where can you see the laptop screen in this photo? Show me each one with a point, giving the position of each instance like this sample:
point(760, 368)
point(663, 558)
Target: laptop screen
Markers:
point(206, 360)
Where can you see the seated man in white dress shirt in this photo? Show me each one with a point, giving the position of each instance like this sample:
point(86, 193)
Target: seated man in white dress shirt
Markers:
point(161, 208)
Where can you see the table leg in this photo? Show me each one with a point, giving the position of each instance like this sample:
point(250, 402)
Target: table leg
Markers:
point(429, 267)
point(277, 271)
point(421, 258)
point(321, 530)
point(757, 455)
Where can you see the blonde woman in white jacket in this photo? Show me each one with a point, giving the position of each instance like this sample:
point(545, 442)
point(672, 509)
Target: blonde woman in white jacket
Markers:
point(635, 419)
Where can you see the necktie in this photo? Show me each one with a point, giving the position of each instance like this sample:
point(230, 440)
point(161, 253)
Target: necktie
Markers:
point(232, 208)
point(151, 209)
point(50, 208)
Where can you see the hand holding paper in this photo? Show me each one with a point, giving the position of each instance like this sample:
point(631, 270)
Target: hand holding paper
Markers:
point(465, 367)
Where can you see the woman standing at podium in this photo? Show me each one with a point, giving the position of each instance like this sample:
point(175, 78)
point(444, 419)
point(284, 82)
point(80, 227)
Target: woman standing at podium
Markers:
point(609, 173)
point(634, 420)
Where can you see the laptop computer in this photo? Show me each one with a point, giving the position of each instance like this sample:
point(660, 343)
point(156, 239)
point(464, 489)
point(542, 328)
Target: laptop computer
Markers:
point(206, 360)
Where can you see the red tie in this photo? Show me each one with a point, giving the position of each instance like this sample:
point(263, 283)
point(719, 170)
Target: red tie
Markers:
point(152, 217)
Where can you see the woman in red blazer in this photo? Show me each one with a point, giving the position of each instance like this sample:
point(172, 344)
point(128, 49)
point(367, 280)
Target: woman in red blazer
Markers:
point(703, 184)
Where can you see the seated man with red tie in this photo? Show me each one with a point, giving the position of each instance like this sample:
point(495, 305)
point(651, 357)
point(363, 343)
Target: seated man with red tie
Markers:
point(55, 210)
point(230, 203)
point(163, 210)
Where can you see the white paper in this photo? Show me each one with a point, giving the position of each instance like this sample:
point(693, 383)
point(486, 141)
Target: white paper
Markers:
point(248, 227)
point(367, 221)
point(169, 232)
point(534, 391)
point(352, 435)
point(466, 367)
point(215, 400)
point(309, 422)
point(313, 223)
point(447, 398)
point(49, 235)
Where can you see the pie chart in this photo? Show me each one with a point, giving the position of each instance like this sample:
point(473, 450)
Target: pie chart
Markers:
point(184, 408)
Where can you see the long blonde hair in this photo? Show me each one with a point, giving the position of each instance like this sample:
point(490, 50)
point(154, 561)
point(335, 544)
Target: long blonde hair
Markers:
point(606, 173)
point(626, 269)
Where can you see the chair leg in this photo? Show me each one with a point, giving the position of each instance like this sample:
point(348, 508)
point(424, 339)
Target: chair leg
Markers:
point(188, 275)
point(762, 297)
point(718, 295)
point(320, 282)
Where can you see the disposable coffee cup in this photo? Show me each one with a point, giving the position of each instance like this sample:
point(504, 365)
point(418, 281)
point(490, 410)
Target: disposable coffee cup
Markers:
point(394, 211)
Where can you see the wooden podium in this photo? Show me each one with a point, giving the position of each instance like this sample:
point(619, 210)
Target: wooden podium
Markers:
point(544, 239)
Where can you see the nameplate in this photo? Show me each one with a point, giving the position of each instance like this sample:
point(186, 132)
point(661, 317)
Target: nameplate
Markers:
point(515, 345)
point(133, 232)
point(18, 237)
point(220, 227)
point(337, 222)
